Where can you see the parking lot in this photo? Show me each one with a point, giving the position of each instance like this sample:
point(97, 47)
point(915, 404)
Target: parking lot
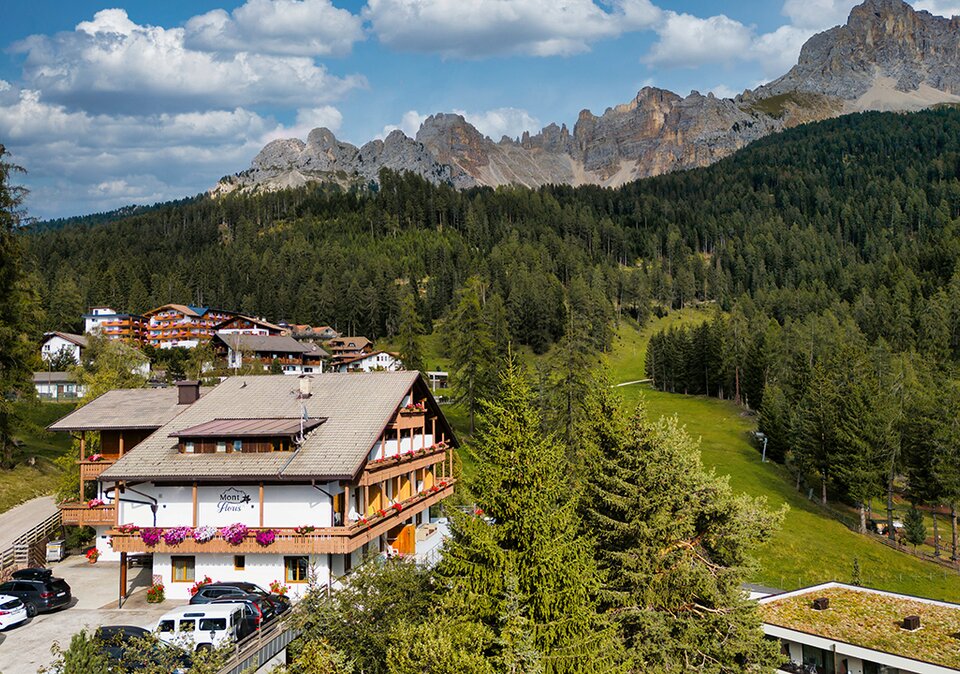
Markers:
point(26, 648)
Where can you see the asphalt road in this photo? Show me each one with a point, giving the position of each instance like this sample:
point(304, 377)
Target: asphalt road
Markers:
point(18, 521)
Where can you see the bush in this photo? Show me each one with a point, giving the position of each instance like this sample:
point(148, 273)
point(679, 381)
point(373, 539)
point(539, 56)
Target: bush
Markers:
point(155, 594)
point(79, 537)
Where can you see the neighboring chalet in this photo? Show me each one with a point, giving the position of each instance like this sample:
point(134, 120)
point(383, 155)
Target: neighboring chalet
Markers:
point(240, 349)
point(123, 419)
point(348, 347)
point(57, 386)
point(250, 326)
point(55, 342)
point(368, 362)
point(309, 333)
point(275, 478)
point(114, 325)
point(175, 325)
point(844, 629)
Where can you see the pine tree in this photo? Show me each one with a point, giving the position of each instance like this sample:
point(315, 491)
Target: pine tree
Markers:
point(410, 329)
point(914, 530)
point(855, 577)
point(472, 348)
point(530, 571)
point(674, 544)
point(82, 656)
point(19, 312)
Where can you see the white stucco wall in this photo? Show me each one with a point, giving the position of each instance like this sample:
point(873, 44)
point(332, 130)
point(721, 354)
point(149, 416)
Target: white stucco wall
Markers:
point(260, 569)
point(54, 344)
point(103, 546)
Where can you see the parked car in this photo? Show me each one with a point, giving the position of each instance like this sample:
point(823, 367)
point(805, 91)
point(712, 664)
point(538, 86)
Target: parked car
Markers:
point(115, 642)
point(259, 610)
point(39, 596)
point(33, 573)
point(195, 628)
point(12, 611)
point(211, 591)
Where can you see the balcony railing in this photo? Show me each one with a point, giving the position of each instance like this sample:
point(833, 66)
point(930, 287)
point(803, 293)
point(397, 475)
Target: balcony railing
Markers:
point(384, 469)
point(80, 514)
point(326, 540)
point(91, 470)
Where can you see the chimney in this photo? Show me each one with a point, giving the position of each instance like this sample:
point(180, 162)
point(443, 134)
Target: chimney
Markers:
point(911, 622)
point(188, 392)
point(305, 385)
point(821, 604)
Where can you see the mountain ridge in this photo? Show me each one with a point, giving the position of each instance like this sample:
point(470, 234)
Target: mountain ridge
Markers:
point(888, 56)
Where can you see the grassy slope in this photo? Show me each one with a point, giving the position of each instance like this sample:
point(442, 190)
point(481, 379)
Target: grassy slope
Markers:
point(25, 482)
point(810, 547)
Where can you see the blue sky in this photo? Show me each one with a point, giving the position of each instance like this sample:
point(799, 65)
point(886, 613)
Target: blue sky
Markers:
point(107, 104)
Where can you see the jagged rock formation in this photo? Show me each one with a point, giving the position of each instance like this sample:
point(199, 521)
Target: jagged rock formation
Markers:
point(887, 56)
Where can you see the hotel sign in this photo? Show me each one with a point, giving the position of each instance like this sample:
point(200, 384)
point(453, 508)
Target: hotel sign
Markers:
point(232, 499)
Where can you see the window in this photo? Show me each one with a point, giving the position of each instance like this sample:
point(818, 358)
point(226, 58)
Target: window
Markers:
point(213, 624)
point(183, 569)
point(188, 447)
point(188, 625)
point(165, 626)
point(295, 569)
point(239, 562)
point(238, 445)
point(221, 445)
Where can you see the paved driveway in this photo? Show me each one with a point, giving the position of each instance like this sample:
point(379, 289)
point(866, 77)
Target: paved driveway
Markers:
point(26, 648)
point(18, 521)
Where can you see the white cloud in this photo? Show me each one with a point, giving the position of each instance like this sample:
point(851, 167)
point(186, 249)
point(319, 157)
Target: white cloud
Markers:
point(409, 124)
point(817, 15)
point(293, 27)
point(723, 91)
point(478, 28)
point(778, 51)
point(688, 41)
point(946, 8)
point(111, 63)
point(495, 124)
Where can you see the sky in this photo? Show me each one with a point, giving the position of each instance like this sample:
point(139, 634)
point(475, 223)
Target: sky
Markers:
point(108, 103)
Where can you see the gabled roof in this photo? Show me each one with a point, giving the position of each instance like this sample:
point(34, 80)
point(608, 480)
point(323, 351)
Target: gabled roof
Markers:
point(349, 343)
point(79, 340)
point(346, 360)
point(357, 408)
point(182, 308)
point(262, 343)
point(256, 321)
point(249, 428)
point(142, 408)
point(53, 377)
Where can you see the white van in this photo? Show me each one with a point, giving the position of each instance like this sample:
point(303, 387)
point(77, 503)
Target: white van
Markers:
point(201, 626)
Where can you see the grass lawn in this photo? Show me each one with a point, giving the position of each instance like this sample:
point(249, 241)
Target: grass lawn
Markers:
point(24, 481)
point(626, 360)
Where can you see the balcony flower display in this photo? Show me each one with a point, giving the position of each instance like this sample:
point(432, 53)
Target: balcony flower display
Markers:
point(276, 587)
point(266, 537)
point(397, 506)
point(95, 457)
point(234, 534)
point(413, 408)
point(151, 536)
point(94, 502)
point(93, 555)
point(434, 489)
point(382, 512)
point(128, 528)
point(478, 512)
point(363, 520)
point(204, 534)
point(176, 535)
point(155, 594)
point(304, 529)
point(200, 583)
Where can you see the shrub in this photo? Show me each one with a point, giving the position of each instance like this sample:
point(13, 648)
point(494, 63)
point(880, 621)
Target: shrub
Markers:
point(155, 594)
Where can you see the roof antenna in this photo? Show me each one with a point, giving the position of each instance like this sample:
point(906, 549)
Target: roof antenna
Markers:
point(303, 419)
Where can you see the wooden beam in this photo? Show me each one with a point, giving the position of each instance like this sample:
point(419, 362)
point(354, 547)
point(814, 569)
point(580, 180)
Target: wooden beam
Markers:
point(261, 505)
point(121, 443)
point(83, 445)
point(195, 504)
point(123, 579)
point(116, 504)
point(366, 501)
point(346, 504)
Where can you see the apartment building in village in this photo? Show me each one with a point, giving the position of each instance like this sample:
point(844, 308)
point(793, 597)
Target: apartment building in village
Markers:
point(263, 478)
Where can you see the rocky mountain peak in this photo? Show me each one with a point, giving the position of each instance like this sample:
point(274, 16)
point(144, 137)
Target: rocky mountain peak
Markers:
point(887, 56)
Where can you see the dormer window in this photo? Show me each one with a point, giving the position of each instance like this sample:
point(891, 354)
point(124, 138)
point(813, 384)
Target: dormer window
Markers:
point(188, 447)
point(222, 446)
point(228, 436)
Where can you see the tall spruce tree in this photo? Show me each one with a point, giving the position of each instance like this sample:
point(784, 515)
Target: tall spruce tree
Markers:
point(528, 573)
point(472, 347)
point(674, 544)
point(410, 329)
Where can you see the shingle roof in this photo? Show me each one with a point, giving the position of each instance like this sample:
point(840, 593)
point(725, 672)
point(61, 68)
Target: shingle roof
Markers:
point(79, 340)
point(263, 343)
point(249, 428)
point(357, 408)
point(52, 377)
point(141, 408)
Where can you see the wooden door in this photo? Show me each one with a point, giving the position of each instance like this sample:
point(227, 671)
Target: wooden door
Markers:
point(376, 499)
point(405, 491)
point(406, 543)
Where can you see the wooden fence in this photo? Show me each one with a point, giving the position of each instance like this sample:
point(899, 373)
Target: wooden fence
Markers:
point(30, 548)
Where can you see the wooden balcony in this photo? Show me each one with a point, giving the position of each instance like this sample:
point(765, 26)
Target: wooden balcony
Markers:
point(400, 465)
point(90, 470)
point(410, 419)
point(328, 540)
point(79, 514)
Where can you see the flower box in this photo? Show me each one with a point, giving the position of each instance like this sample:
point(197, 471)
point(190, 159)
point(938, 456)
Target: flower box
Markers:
point(177, 535)
point(265, 537)
point(95, 503)
point(151, 536)
point(204, 534)
point(234, 534)
point(304, 529)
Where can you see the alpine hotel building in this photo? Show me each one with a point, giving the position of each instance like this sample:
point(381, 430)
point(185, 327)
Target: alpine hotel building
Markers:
point(264, 478)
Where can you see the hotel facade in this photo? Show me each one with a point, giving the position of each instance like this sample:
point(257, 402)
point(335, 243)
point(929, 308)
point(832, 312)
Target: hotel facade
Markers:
point(264, 478)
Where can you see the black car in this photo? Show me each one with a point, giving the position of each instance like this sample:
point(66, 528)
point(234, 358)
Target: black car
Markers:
point(258, 610)
point(115, 642)
point(211, 591)
point(39, 596)
point(33, 573)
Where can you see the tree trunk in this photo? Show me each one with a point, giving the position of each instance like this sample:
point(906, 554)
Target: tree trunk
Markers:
point(953, 532)
point(936, 535)
point(863, 518)
point(890, 532)
point(823, 490)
